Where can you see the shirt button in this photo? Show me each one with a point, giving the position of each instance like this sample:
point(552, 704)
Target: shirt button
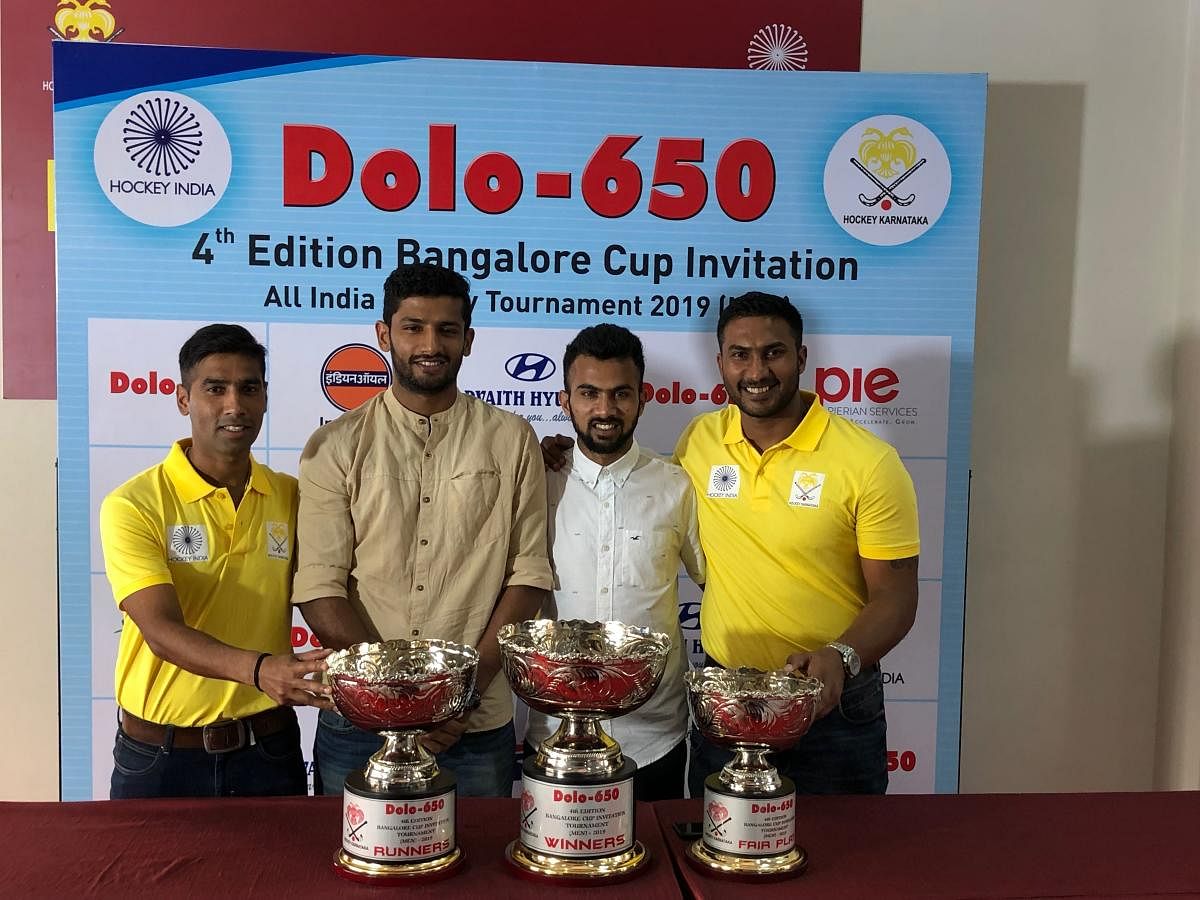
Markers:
point(604, 590)
point(420, 587)
point(416, 631)
point(424, 499)
point(429, 456)
point(229, 528)
point(423, 422)
point(424, 543)
point(605, 547)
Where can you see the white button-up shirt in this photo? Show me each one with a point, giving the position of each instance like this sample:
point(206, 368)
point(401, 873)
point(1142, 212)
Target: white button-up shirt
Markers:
point(617, 536)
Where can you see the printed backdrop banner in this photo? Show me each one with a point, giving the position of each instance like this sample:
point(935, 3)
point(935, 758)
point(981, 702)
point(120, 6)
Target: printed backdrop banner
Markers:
point(278, 190)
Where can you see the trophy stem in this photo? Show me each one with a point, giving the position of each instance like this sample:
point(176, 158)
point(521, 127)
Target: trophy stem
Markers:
point(580, 746)
point(401, 761)
point(749, 772)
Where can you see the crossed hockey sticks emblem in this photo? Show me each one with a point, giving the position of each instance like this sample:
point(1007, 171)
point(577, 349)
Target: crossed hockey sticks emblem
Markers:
point(886, 190)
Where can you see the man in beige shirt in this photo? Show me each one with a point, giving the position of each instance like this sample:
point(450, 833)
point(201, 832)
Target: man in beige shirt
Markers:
point(423, 515)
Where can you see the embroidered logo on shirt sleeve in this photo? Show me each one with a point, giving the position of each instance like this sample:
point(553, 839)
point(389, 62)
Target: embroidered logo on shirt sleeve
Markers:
point(806, 489)
point(724, 482)
point(187, 543)
point(277, 540)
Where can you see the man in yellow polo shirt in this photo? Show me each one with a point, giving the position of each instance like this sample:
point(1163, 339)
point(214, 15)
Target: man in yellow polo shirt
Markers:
point(199, 552)
point(809, 526)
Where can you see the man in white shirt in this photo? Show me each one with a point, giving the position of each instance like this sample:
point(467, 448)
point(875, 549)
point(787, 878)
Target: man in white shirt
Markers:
point(621, 520)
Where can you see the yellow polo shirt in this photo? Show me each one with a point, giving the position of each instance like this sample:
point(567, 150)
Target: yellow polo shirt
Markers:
point(231, 570)
point(783, 530)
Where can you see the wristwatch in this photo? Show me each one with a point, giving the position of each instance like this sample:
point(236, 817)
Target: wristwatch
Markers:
point(851, 664)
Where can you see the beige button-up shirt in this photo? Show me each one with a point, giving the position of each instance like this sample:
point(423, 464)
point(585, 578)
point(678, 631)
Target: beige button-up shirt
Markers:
point(421, 521)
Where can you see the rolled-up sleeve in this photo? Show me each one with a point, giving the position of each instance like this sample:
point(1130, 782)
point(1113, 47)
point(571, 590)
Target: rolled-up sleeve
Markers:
point(528, 561)
point(325, 528)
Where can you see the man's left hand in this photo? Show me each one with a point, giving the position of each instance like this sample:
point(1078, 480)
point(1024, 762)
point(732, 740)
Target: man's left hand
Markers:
point(824, 663)
point(446, 736)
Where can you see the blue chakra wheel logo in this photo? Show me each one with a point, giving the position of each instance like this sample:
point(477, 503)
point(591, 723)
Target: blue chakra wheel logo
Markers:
point(724, 479)
point(187, 542)
point(162, 136)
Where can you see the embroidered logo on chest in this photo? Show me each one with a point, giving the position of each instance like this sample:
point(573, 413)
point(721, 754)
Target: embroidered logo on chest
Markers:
point(806, 489)
point(277, 540)
point(724, 482)
point(187, 543)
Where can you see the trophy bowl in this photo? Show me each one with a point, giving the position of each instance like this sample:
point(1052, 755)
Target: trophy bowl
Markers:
point(402, 685)
point(749, 829)
point(398, 814)
point(747, 707)
point(595, 669)
point(577, 815)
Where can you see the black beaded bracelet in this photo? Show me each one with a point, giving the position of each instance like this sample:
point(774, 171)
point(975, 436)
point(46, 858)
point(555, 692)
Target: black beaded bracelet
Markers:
point(258, 666)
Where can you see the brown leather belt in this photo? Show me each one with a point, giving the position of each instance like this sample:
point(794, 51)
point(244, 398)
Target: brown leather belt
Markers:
point(219, 737)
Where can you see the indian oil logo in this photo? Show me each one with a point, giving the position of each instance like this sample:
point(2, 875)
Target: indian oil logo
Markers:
point(353, 374)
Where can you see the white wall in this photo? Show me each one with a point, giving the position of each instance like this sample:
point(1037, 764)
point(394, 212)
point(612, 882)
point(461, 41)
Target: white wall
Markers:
point(1082, 659)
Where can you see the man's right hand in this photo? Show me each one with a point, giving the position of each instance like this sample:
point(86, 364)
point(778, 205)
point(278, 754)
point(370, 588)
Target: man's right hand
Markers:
point(554, 451)
point(285, 679)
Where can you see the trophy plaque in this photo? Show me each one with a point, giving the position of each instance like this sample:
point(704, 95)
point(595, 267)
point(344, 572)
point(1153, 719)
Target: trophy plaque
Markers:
point(749, 808)
point(577, 807)
point(398, 813)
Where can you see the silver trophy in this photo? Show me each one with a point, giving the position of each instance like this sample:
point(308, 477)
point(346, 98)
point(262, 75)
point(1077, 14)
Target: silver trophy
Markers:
point(398, 813)
point(577, 809)
point(749, 808)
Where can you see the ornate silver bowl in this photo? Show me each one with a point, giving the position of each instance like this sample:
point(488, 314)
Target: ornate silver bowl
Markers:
point(753, 713)
point(582, 672)
point(402, 689)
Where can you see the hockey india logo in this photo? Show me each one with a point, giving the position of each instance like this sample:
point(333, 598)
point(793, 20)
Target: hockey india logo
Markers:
point(887, 180)
point(353, 374)
point(162, 158)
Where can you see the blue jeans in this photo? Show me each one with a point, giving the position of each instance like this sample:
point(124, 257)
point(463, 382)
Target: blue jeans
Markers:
point(482, 760)
point(843, 753)
point(271, 767)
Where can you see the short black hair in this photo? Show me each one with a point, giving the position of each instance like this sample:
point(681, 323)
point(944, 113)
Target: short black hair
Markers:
point(605, 341)
point(219, 339)
point(753, 304)
point(425, 280)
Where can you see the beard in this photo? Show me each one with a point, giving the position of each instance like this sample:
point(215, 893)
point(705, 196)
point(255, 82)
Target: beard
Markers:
point(410, 377)
point(620, 440)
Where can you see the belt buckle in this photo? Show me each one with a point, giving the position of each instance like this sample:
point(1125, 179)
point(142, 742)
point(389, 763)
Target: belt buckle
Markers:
point(215, 735)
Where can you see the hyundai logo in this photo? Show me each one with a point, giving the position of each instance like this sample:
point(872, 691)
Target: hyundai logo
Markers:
point(530, 367)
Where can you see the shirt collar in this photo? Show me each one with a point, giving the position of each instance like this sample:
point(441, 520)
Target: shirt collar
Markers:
point(588, 471)
point(419, 421)
point(191, 486)
point(806, 435)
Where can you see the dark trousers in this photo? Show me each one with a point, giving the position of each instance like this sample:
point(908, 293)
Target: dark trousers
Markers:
point(843, 753)
point(662, 779)
point(270, 767)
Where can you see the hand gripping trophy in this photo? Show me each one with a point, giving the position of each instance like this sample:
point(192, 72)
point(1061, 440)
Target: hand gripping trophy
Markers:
point(577, 810)
point(749, 808)
point(398, 813)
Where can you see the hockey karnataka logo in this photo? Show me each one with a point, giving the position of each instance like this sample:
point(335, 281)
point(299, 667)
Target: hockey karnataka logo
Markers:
point(887, 180)
point(162, 158)
point(84, 20)
point(353, 374)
